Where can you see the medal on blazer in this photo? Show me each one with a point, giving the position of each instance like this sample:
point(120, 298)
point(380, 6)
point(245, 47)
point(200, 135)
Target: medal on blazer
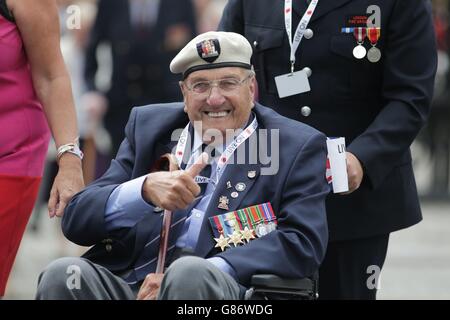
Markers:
point(241, 226)
point(221, 242)
point(246, 229)
point(261, 217)
point(267, 222)
point(374, 54)
point(247, 234)
point(359, 51)
point(235, 238)
point(224, 230)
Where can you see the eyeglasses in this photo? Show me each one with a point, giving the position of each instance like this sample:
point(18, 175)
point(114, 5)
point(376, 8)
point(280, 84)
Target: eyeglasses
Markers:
point(227, 85)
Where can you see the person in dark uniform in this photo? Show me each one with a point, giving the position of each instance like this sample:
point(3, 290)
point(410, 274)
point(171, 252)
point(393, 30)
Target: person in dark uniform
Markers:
point(363, 70)
point(144, 36)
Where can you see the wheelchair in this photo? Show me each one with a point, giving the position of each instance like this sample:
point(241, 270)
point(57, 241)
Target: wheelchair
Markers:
point(272, 287)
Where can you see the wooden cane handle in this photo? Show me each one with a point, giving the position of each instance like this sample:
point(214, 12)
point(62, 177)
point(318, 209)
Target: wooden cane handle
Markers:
point(167, 162)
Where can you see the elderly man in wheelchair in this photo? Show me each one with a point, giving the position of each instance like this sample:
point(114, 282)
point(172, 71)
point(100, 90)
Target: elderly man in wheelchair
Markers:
point(217, 197)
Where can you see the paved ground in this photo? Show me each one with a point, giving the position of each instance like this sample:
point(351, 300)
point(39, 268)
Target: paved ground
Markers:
point(418, 262)
point(417, 266)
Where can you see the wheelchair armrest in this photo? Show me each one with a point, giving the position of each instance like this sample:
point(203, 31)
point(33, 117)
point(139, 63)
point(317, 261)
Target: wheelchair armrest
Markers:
point(274, 282)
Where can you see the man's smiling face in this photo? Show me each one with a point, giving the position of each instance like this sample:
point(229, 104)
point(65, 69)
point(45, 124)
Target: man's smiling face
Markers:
point(225, 103)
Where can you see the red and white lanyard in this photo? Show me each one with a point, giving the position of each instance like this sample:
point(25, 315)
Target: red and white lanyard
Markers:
point(294, 43)
point(226, 155)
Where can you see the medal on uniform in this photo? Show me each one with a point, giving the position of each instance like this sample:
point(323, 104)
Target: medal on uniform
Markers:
point(221, 242)
point(268, 217)
point(235, 238)
point(374, 54)
point(359, 51)
point(231, 222)
point(223, 230)
point(229, 186)
point(261, 230)
point(261, 216)
point(223, 203)
point(241, 226)
point(247, 234)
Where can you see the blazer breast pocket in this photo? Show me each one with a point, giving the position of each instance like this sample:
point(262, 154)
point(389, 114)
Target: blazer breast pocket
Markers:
point(268, 54)
point(352, 78)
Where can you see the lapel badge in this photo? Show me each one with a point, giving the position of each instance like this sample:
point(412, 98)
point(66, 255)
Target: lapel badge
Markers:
point(223, 203)
point(229, 186)
point(234, 195)
point(251, 174)
point(241, 186)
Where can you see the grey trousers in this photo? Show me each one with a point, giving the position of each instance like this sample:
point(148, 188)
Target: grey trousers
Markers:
point(187, 278)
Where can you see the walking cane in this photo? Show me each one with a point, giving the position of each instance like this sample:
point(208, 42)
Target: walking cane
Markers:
point(167, 162)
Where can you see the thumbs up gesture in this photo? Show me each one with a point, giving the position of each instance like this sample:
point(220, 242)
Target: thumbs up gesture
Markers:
point(174, 190)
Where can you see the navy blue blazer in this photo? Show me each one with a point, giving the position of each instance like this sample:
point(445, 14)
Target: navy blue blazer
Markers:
point(297, 193)
point(378, 107)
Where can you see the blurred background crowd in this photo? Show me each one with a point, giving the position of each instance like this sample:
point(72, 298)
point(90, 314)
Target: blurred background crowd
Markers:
point(118, 60)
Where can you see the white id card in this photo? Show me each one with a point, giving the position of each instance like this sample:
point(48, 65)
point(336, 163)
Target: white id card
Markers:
point(292, 83)
point(338, 164)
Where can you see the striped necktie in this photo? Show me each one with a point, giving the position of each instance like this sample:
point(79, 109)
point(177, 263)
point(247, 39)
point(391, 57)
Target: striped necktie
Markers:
point(146, 263)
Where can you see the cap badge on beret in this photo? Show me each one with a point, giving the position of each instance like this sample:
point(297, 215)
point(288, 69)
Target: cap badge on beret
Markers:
point(209, 50)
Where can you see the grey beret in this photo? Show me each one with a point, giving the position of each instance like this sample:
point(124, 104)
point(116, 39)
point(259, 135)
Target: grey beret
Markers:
point(213, 50)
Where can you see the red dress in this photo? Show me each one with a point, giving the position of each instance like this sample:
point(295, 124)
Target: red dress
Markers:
point(24, 137)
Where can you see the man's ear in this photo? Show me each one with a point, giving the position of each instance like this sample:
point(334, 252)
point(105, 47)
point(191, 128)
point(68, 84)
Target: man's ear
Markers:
point(253, 89)
point(184, 92)
point(182, 87)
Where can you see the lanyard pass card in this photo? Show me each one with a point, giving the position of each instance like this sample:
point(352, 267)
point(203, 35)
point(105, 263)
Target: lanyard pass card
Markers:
point(292, 83)
point(295, 82)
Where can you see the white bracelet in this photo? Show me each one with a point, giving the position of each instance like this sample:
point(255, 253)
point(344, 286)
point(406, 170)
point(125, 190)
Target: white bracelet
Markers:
point(72, 148)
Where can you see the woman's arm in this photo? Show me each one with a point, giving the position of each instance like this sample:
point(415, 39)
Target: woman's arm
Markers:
point(38, 24)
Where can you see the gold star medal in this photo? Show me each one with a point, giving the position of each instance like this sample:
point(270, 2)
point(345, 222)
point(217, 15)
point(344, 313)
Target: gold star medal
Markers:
point(222, 242)
point(247, 234)
point(235, 238)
